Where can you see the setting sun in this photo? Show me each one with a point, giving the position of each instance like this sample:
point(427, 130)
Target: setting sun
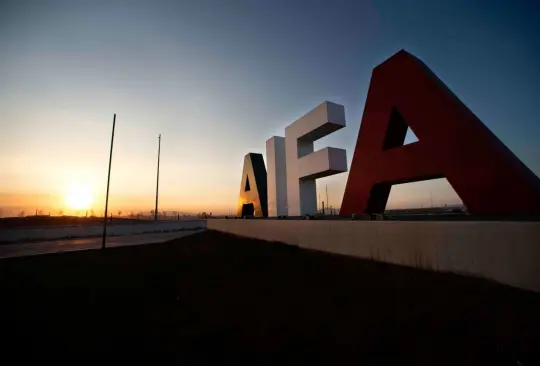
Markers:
point(79, 197)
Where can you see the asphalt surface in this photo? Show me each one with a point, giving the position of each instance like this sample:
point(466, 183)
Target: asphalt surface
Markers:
point(58, 246)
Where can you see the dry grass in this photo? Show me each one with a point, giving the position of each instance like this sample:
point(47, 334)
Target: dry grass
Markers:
point(212, 298)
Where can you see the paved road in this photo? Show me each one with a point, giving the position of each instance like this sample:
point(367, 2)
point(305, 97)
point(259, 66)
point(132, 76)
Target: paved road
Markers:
point(57, 246)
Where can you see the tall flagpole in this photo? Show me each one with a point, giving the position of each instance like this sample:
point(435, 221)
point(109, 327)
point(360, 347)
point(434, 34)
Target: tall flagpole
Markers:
point(157, 180)
point(108, 182)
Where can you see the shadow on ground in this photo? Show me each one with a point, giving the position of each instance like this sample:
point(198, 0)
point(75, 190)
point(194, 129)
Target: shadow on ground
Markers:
point(212, 298)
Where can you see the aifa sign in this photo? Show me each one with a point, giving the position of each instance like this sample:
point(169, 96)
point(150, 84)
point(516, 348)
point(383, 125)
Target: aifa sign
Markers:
point(452, 143)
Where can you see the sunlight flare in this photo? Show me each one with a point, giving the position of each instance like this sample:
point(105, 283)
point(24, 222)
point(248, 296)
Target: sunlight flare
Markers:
point(79, 197)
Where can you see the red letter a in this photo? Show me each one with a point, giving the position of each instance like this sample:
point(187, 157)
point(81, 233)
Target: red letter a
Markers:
point(452, 143)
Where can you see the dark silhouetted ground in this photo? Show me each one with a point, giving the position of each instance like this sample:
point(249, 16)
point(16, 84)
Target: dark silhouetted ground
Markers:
point(215, 298)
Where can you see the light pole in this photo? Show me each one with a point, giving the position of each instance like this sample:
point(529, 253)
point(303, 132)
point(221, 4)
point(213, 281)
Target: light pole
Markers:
point(108, 182)
point(157, 180)
point(327, 203)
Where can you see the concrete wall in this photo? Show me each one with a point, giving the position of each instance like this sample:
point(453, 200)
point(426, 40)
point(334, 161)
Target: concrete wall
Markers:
point(507, 252)
point(51, 233)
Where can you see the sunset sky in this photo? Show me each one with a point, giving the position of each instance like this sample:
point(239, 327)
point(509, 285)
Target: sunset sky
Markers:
point(218, 78)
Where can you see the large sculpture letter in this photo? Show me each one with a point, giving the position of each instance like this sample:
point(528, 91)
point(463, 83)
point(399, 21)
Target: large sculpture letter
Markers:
point(303, 165)
point(252, 200)
point(277, 176)
point(452, 143)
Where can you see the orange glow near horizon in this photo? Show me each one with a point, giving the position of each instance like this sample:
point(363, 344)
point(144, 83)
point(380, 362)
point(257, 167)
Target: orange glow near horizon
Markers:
point(79, 197)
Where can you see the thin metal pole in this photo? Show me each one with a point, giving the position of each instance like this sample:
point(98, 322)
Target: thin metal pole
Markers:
point(108, 182)
point(327, 202)
point(157, 180)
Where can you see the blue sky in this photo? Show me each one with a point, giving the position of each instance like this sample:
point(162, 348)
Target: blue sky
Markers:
point(218, 78)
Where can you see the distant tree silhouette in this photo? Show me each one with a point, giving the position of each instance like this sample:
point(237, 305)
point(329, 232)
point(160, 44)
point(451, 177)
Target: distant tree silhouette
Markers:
point(119, 213)
point(92, 214)
point(22, 213)
point(60, 213)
